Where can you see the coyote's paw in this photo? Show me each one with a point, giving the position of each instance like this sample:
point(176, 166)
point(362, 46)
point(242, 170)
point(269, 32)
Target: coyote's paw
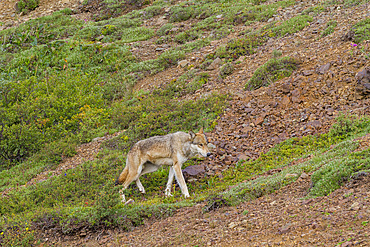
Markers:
point(129, 202)
point(123, 198)
point(167, 192)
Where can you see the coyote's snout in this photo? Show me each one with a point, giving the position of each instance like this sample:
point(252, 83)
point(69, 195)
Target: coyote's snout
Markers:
point(172, 150)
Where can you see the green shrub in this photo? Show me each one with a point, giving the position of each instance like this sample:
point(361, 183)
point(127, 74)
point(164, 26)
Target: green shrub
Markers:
point(243, 46)
point(164, 29)
point(27, 5)
point(333, 174)
point(226, 70)
point(179, 13)
point(271, 71)
point(290, 26)
point(347, 125)
point(187, 36)
point(315, 10)
point(36, 112)
point(362, 30)
point(276, 53)
point(220, 33)
point(329, 29)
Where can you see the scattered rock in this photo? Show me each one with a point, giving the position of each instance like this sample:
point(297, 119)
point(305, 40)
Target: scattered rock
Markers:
point(285, 229)
point(183, 63)
point(233, 225)
point(323, 68)
point(307, 72)
point(346, 244)
point(349, 36)
point(355, 206)
point(243, 157)
point(363, 81)
point(286, 88)
point(215, 64)
point(194, 170)
point(304, 175)
point(293, 175)
point(211, 146)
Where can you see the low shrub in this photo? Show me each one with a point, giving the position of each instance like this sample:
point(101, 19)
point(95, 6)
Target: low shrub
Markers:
point(26, 5)
point(226, 70)
point(271, 71)
point(361, 30)
point(329, 29)
point(180, 13)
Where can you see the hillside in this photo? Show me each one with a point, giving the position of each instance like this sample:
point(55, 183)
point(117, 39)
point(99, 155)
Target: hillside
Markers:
point(281, 87)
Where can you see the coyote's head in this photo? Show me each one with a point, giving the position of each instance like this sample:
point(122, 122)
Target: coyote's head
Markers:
point(199, 143)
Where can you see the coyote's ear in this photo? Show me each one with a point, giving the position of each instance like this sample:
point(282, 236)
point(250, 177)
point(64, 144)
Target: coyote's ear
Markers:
point(192, 135)
point(201, 131)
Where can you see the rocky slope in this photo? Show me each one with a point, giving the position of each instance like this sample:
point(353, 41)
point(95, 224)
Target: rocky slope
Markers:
point(332, 78)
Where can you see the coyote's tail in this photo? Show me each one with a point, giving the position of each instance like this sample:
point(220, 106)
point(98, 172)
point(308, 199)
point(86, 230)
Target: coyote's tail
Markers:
point(122, 177)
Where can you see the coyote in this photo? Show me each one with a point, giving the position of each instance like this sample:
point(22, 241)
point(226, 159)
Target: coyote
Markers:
point(172, 150)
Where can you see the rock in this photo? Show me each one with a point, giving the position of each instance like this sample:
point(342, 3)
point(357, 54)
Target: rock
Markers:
point(331, 210)
point(323, 68)
point(346, 244)
point(259, 121)
point(285, 101)
point(304, 175)
point(286, 88)
point(314, 123)
point(182, 63)
point(240, 59)
point(314, 225)
point(363, 81)
point(307, 72)
point(232, 225)
point(355, 206)
point(285, 229)
point(349, 36)
point(293, 175)
point(215, 64)
point(211, 146)
point(195, 170)
point(243, 157)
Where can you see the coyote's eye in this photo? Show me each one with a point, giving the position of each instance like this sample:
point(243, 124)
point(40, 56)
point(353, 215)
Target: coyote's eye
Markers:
point(200, 145)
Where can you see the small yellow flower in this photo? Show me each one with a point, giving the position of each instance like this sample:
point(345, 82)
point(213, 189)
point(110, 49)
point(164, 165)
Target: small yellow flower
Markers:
point(2, 233)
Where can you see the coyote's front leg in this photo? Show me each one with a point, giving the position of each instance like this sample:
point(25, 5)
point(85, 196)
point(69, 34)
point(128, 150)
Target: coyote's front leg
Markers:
point(171, 174)
point(180, 179)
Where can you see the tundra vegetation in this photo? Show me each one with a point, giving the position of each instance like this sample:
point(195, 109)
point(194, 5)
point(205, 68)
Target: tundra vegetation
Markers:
point(65, 81)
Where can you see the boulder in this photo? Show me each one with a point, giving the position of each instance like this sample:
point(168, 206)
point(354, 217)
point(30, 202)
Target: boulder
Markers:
point(363, 81)
point(194, 171)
